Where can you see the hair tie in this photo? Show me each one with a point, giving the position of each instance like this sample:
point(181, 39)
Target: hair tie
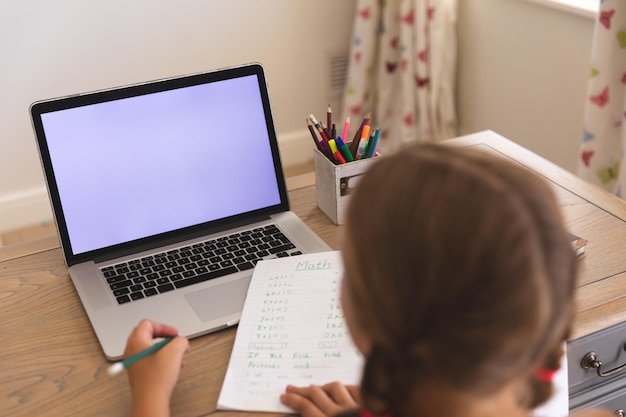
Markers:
point(545, 375)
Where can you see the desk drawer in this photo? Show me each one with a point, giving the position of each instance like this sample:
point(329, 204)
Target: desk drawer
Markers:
point(584, 356)
point(614, 401)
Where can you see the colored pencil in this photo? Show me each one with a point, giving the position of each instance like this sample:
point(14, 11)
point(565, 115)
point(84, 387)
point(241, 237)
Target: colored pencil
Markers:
point(335, 150)
point(346, 128)
point(354, 145)
point(329, 119)
point(343, 148)
point(370, 152)
point(313, 135)
point(118, 367)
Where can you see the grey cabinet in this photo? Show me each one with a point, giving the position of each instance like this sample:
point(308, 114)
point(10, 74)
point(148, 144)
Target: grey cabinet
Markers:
point(597, 370)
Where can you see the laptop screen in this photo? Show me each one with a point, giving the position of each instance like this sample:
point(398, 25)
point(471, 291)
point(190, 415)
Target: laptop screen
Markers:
point(142, 165)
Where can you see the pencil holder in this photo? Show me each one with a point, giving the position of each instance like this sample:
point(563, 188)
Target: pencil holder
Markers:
point(335, 183)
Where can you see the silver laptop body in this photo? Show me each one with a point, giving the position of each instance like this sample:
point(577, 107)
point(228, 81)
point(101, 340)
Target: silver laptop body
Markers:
point(141, 174)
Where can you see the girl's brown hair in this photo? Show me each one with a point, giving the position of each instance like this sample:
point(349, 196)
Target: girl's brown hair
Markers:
point(458, 267)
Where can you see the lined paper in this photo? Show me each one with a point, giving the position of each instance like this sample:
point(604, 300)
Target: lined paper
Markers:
point(291, 331)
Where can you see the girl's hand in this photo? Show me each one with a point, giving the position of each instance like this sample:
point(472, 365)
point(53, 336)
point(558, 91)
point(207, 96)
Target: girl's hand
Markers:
point(152, 379)
point(321, 401)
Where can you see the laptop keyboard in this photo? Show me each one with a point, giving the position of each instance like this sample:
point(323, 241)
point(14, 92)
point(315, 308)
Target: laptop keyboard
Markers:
point(188, 265)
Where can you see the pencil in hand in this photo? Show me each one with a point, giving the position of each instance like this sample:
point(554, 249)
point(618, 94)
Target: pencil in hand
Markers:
point(118, 367)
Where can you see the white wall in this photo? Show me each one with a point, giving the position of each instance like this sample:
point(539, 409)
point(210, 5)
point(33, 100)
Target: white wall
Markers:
point(523, 71)
point(55, 48)
point(523, 67)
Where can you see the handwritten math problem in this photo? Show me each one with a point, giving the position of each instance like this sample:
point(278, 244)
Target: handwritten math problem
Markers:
point(292, 331)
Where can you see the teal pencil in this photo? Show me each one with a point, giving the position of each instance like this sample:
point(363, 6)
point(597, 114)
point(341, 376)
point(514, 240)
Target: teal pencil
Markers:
point(118, 367)
point(371, 145)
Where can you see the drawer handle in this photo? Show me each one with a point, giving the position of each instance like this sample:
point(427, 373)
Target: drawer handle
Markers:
point(590, 360)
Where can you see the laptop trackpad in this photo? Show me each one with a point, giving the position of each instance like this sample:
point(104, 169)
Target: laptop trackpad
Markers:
point(219, 301)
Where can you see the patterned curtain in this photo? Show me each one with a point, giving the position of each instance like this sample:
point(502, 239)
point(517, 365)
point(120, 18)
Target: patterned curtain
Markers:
point(402, 69)
point(604, 138)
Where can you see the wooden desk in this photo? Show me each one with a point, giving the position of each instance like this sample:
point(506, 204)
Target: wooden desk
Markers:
point(52, 365)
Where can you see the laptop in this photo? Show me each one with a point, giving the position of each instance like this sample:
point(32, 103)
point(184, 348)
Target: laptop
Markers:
point(165, 195)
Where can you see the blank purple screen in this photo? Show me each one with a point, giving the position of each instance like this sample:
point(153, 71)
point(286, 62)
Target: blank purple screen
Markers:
point(140, 166)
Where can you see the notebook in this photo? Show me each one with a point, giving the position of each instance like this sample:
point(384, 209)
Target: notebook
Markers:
point(165, 195)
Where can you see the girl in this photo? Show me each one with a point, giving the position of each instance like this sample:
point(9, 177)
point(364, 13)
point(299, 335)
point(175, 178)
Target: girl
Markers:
point(458, 290)
point(459, 294)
